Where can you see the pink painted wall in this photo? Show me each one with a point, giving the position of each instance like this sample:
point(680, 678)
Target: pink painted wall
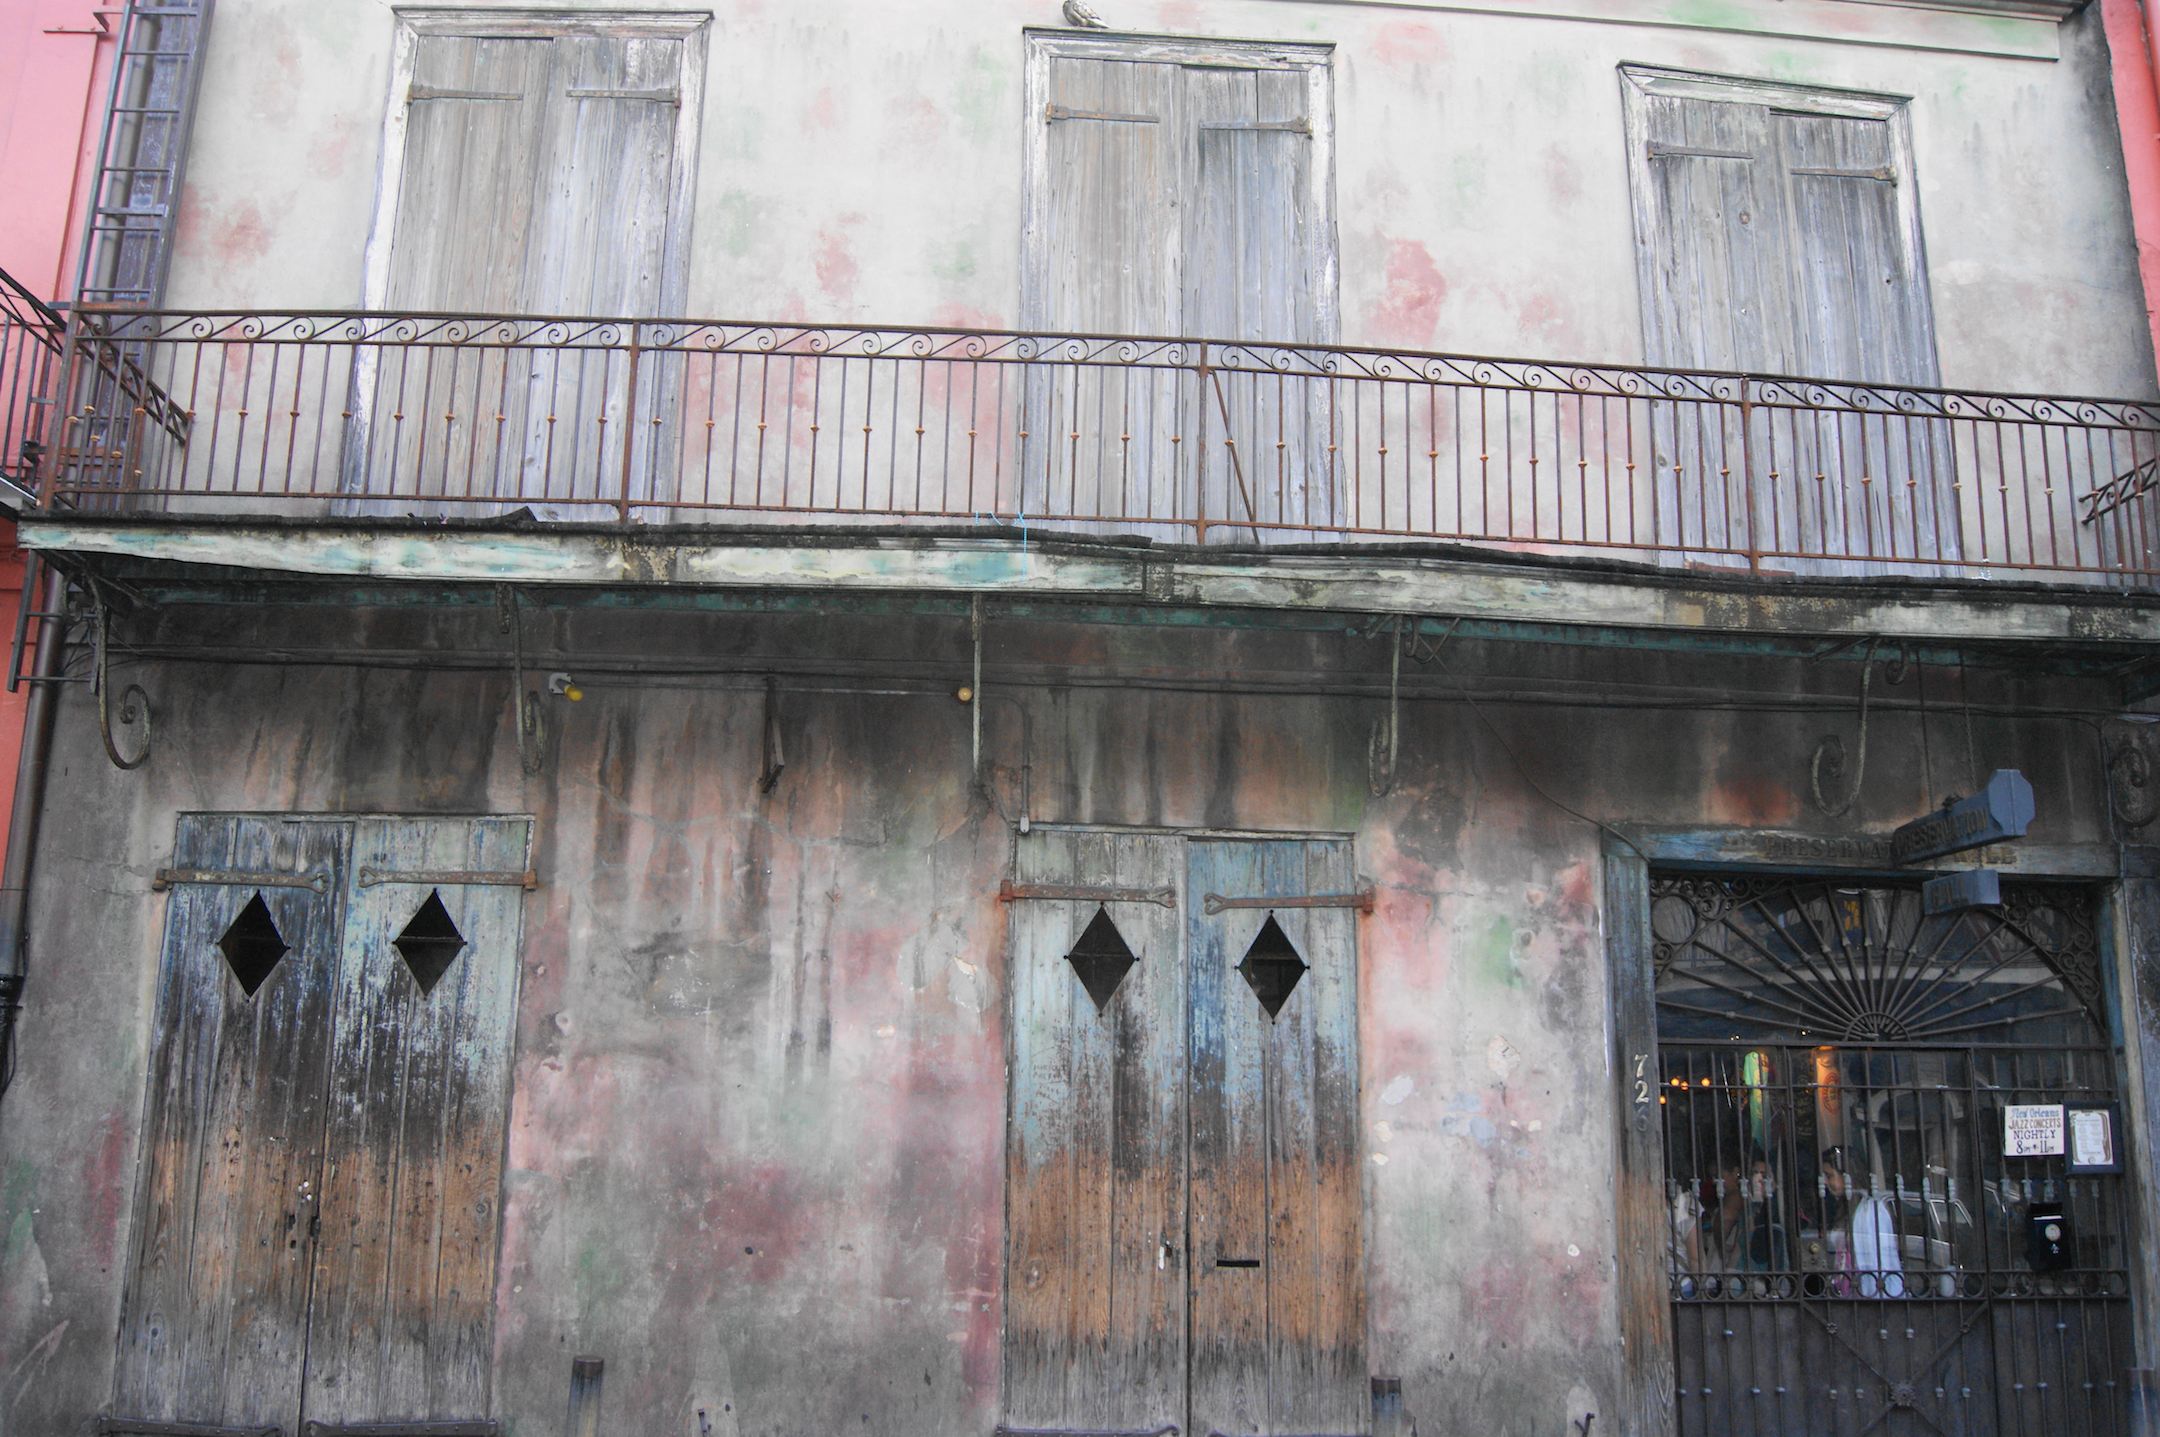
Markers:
point(2134, 48)
point(54, 56)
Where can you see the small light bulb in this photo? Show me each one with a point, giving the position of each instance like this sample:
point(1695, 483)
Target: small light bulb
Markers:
point(965, 694)
point(573, 693)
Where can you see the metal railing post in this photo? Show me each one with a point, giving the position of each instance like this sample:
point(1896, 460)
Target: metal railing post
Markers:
point(629, 422)
point(1747, 474)
point(63, 419)
point(1200, 449)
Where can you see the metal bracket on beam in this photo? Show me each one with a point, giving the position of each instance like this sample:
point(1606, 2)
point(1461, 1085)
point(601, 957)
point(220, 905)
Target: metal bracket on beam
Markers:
point(1011, 892)
point(1362, 901)
point(526, 879)
point(166, 878)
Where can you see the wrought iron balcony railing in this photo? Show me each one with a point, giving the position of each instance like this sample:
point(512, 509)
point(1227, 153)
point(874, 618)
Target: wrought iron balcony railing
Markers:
point(292, 414)
point(30, 344)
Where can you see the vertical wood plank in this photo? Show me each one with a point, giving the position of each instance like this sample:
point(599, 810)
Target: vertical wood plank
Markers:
point(476, 1122)
point(1642, 1215)
point(1228, 1160)
point(1145, 1377)
point(1342, 1372)
point(1297, 1389)
point(1039, 1238)
point(1089, 1201)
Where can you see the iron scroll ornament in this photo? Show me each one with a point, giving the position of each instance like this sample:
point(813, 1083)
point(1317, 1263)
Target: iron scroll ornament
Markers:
point(133, 713)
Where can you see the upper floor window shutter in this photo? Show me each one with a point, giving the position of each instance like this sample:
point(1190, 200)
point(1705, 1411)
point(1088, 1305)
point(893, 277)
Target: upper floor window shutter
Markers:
point(538, 174)
point(1776, 239)
point(1778, 235)
point(1862, 302)
point(1177, 196)
point(473, 131)
point(1113, 255)
point(1251, 265)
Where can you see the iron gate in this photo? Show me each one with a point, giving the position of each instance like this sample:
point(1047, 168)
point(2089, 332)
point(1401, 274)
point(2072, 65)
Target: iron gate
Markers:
point(1850, 1249)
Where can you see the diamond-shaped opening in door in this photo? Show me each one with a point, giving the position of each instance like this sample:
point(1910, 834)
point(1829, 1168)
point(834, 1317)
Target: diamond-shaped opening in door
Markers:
point(1272, 967)
point(253, 946)
point(430, 943)
point(1102, 958)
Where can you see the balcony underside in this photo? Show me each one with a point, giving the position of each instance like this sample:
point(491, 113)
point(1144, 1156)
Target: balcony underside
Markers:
point(1568, 600)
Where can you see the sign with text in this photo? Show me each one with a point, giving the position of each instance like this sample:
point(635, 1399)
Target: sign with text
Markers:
point(2092, 1139)
point(2003, 809)
point(1956, 892)
point(2033, 1130)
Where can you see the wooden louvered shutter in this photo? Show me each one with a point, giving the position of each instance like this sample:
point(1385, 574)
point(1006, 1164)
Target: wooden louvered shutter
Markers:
point(1112, 264)
point(1253, 273)
point(1776, 242)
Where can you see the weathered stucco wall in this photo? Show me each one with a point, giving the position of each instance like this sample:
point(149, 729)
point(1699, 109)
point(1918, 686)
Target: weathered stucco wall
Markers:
point(861, 161)
point(757, 1145)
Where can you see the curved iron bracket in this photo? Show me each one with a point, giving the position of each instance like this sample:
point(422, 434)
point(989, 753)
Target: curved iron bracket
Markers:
point(133, 713)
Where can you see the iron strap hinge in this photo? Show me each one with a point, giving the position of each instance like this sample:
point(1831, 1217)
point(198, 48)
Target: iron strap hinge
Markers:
point(1362, 901)
point(166, 878)
point(1056, 112)
point(1011, 892)
point(525, 878)
point(312, 1428)
point(1168, 1429)
point(149, 1427)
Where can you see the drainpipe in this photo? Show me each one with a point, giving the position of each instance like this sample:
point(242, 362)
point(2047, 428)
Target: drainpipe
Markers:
point(38, 713)
point(2134, 52)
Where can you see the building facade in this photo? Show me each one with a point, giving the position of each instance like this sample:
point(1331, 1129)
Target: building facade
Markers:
point(1217, 749)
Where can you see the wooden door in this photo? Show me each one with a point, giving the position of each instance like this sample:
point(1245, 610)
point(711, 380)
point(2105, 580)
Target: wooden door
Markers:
point(317, 1215)
point(1184, 1203)
point(402, 1318)
point(213, 1318)
point(1095, 1157)
point(1277, 1196)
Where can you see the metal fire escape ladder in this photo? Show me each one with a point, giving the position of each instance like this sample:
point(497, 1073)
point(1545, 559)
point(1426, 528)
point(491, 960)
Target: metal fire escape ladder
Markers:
point(142, 147)
point(126, 253)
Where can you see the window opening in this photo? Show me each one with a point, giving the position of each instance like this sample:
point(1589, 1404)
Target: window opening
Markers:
point(1272, 967)
point(1101, 958)
point(253, 946)
point(430, 943)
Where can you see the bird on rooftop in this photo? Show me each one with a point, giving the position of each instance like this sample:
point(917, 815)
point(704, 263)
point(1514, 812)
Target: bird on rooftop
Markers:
point(1080, 14)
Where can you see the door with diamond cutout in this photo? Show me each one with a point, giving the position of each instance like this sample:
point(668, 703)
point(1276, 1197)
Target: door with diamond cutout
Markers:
point(323, 1134)
point(1184, 1204)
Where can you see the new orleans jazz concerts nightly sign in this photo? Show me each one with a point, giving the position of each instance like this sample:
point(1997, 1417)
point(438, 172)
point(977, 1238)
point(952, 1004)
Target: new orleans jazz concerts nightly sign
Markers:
point(2003, 809)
